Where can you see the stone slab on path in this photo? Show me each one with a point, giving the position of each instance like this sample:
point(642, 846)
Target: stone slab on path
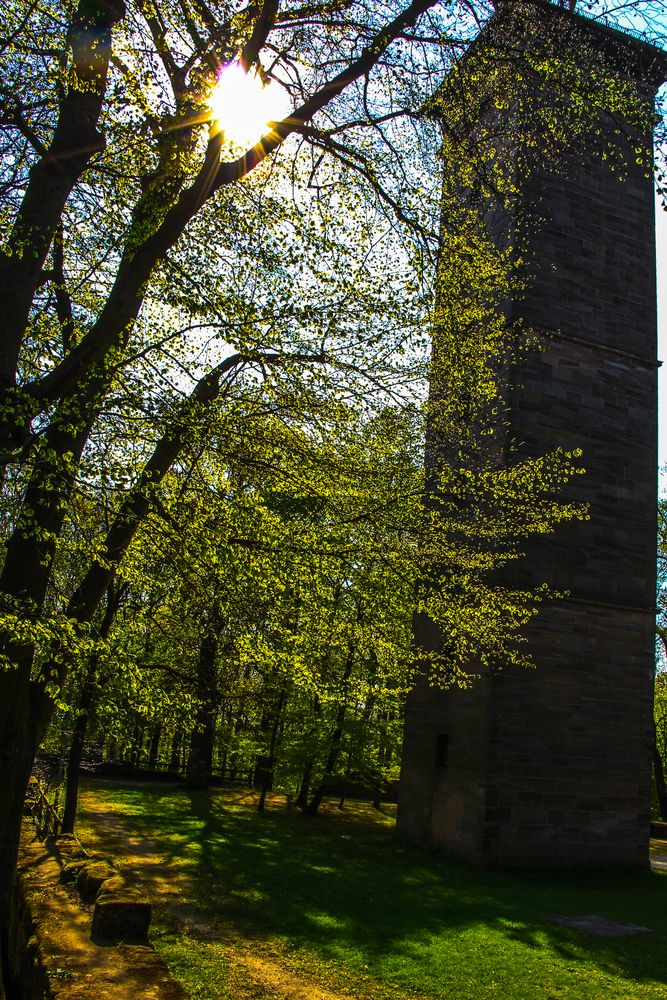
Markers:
point(77, 967)
point(591, 923)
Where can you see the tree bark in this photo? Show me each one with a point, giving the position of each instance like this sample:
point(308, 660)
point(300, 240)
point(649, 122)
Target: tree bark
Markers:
point(384, 758)
point(154, 749)
point(304, 789)
point(175, 757)
point(86, 702)
point(23, 586)
point(659, 772)
point(200, 760)
point(137, 745)
point(267, 780)
point(17, 751)
point(322, 788)
point(336, 742)
point(75, 140)
point(74, 761)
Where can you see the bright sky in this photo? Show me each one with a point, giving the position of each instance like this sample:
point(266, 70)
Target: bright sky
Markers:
point(243, 106)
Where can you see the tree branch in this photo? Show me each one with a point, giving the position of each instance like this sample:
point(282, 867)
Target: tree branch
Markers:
point(267, 16)
point(173, 71)
point(126, 297)
point(88, 594)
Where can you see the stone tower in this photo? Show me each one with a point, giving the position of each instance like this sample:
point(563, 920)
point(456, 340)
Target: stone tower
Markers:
point(552, 766)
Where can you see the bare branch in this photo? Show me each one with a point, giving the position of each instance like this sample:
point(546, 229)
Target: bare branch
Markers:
point(158, 34)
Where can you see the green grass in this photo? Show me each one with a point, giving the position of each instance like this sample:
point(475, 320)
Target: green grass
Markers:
point(336, 899)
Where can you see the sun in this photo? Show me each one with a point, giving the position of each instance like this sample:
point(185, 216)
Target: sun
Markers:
point(242, 106)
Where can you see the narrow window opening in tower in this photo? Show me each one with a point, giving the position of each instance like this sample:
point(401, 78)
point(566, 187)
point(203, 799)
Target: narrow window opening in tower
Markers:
point(441, 750)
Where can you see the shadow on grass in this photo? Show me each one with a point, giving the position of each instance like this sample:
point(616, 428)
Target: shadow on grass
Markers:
point(346, 889)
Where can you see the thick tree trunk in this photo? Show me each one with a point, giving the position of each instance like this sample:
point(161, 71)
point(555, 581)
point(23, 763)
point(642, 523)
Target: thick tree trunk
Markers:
point(75, 140)
point(17, 751)
point(200, 758)
point(26, 705)
point(23, 585)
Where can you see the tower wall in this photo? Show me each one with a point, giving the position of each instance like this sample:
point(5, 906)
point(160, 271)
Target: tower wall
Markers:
point(551, 766)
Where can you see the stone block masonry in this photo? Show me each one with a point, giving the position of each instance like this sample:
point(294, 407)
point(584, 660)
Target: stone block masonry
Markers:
point(551, 766)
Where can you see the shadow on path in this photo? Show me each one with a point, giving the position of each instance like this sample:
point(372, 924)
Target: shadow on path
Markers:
point(349, 892)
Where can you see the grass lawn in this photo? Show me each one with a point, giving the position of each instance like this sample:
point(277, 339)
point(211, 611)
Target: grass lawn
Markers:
point(283, 905)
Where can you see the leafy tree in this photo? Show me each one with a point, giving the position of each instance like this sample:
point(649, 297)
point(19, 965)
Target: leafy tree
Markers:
point(147, 262)
point(242, 559)
point(113, 186)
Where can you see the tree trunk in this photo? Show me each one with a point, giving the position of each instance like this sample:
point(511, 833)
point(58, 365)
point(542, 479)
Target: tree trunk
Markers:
point(200, 760)
point(384, 758)
point(26, 705)
point(334, 750)
point(267, 780)
point(175, 758)
point(86, 702)
point(304, 790)
point(75, 140)
point(17, 751)
point(659, 771)
point(336, 742)
point(322, 788)
point(74, 763)
point(137, 748)
point(154, 747)
point(23, 584)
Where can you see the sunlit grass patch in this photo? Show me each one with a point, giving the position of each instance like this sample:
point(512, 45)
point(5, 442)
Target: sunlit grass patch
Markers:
point(201, 967)
point(336, 902)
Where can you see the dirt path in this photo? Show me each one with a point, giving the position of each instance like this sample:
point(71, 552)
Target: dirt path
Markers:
point(257, 973)
point(78, 968)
